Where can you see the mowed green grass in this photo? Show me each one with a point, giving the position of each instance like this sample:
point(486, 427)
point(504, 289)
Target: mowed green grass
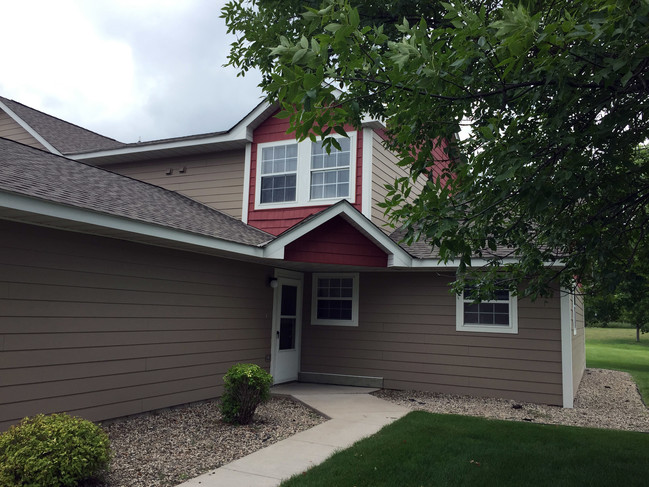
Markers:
point(424, 449)
point(616, 349)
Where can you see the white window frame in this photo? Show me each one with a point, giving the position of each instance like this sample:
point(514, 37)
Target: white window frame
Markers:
point(511, 328)
point(303, 180)
point(314, 299)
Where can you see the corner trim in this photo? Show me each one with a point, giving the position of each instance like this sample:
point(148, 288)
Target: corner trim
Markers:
point(247, 161)
point(366, 184)
point(566, 351)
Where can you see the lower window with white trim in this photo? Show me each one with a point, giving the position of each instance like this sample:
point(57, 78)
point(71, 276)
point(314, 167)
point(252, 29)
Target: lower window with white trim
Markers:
point(334, 299)
point(497, 315)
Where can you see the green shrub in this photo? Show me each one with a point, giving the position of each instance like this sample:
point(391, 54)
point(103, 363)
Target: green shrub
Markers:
point(246, 387)
point(52, 450)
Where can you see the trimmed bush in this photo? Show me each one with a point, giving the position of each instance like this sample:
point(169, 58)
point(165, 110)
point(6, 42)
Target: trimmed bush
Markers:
point(52, 450)
point(246, 387)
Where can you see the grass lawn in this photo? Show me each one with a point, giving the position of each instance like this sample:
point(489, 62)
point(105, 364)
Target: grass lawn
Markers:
point(424, 449)
point(616, 348)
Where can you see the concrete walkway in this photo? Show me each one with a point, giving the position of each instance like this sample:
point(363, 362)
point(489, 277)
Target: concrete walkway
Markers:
point(354, 415)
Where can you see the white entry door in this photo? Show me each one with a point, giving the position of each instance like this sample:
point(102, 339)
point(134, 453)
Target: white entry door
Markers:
point(287, 329)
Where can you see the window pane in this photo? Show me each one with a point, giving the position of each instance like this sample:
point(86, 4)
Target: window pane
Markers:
point(330, 160)
point(330, 191)
point(316, 162)
point(289, 300)
point(276, 189)
point(291, 150)
point(291, 164)
point(287, 334)
point(334, 309)
point(267, 154)
point(502, 295)
point(267, 167)
point(495, 312)
point(471, 318)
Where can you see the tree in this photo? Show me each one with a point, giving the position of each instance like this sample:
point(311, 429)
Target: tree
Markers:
point(557, 98)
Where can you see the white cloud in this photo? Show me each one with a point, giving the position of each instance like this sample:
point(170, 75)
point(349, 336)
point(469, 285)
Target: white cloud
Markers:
point(124, 68)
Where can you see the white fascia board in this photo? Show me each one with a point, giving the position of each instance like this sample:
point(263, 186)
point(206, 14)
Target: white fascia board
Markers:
point(375, 123)
point(397, 257)
point(566, 351)
point(28, 128)
point(71, 213)
point(435, 263)
point(179, 144)
point(366, 185)
point(241, 132)
point(452, 263)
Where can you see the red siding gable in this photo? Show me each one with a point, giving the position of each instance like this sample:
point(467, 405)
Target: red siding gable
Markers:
point(275, 221)
point(336, 242)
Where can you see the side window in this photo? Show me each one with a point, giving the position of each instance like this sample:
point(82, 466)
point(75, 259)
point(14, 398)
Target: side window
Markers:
point(278, 173)
point(335, 299)
point(330, 172)
point(498, 315)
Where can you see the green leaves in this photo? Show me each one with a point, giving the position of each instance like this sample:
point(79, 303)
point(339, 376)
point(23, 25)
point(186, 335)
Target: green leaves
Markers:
point(555, 94)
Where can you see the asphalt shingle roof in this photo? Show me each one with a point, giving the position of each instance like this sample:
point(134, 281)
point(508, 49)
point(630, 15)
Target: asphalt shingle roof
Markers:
point(39, 174)
point(64, 136)
point(423, 250)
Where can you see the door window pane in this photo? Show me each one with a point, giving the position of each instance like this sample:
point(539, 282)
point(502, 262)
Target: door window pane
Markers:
point(287, 334)
point(289, 300)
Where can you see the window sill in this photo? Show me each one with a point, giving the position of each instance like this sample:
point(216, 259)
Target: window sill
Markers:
point(300, 204)
point(487, 329)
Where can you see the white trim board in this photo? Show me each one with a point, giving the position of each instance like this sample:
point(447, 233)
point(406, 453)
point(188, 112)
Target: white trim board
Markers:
point(29, 129)
point(366, 171)
point(397, 257)
point(566, 351)
point(103, 220)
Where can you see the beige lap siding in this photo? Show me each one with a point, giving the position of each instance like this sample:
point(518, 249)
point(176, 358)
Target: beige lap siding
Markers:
point(407, 336)
point(104, 328)
point(214, 179)
point(10, 129)
point(384, 171)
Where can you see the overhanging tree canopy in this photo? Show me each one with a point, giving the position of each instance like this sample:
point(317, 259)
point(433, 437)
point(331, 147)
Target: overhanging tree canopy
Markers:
point(557, 97)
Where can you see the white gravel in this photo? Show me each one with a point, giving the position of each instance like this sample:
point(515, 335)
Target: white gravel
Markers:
point(605, 399)
point(168, 447)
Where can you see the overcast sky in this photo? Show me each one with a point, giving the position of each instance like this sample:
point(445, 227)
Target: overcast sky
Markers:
point(127, 69)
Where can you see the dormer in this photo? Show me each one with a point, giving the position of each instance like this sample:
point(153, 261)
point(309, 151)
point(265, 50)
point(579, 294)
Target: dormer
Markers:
point(288, 181)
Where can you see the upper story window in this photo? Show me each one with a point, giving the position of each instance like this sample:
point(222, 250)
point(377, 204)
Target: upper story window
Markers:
point(330, 172)
point(498, 315)
point(278, 173)
point(303, 174)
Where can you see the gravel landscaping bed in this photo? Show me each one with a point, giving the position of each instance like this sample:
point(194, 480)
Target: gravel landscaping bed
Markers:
point(605, 399)
point(168, 447)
